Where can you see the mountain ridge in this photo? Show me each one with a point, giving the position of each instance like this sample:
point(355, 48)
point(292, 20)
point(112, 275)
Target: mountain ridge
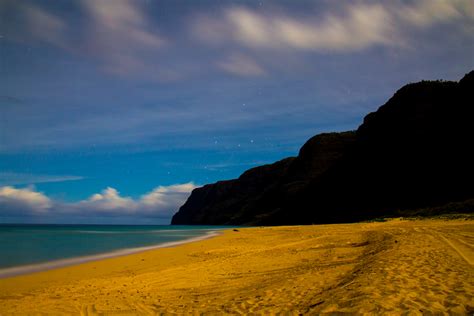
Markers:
point(412, 153)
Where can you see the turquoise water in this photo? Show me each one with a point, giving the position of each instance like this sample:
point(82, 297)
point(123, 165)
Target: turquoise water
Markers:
point(32, 244)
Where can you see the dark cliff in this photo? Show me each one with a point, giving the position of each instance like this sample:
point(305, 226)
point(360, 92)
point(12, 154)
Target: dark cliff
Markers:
point(414, 152)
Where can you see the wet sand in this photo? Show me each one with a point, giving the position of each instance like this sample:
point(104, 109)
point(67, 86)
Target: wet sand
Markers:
point(27, 269)
point(395, 267)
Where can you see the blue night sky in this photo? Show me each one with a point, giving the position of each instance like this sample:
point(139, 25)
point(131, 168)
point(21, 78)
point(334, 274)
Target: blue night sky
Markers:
point(112, 111)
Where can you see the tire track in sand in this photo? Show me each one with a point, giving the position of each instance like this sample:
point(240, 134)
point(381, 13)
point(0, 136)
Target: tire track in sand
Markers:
point(459, 246)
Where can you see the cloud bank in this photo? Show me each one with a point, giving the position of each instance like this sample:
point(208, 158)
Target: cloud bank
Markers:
point(129, 40)
point(160, 203)
point(180, 74)
point(120, 34)
point(352, 27)
point(23, 202)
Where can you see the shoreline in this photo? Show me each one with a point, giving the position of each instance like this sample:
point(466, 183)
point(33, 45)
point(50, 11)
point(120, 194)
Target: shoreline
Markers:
point(56, 264)
point(393, 267)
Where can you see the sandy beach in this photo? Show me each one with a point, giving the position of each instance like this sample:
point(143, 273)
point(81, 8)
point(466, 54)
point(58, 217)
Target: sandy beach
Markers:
point(422, 266)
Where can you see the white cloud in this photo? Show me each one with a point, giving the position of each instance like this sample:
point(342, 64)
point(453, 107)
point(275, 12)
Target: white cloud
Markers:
point(428, 12)
point(121, 33)
point(45, 26)
point(109, 200)
point(167, 199)
point(13, 178)
point(241, 65)
point(354, 27)
point(250, 27)
point(16, 201)
point(362, 26)
point(162, 202)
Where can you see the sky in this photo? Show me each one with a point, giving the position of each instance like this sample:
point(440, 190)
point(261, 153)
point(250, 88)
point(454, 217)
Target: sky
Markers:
point(113, 111)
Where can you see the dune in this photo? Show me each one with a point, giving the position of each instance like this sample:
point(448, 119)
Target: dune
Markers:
point(399, 266)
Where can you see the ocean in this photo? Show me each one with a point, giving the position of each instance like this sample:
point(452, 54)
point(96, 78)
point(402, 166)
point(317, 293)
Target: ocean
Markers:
point(38, 245)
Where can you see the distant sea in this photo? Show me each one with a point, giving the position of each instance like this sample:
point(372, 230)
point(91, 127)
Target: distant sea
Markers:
point(27, 245)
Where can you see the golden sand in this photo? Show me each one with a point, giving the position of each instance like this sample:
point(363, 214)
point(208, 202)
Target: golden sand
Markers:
point(374, 268)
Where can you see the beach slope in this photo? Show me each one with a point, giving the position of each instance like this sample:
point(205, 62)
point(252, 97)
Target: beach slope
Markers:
point(420, 266)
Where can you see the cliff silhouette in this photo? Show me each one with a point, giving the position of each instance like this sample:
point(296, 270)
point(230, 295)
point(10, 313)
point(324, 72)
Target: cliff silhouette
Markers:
point(413, 155)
